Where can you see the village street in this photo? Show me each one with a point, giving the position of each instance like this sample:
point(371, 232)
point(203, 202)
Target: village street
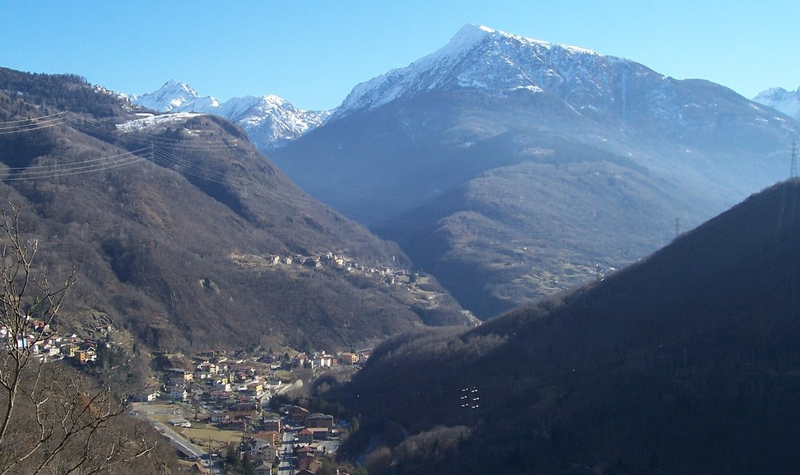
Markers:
point(286, 467)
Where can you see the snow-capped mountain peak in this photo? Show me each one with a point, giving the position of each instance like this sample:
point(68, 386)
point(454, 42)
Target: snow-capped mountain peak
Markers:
point(465, 39)
point(175, 96)
point(782, 100)
point(269, 120)
point(476, 57)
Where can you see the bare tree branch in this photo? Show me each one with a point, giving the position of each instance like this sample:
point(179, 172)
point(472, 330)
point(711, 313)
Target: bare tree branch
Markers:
point(52, 420)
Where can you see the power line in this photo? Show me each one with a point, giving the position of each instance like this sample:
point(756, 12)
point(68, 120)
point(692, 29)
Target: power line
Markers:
point(28, 125)
point(74, 168)
point(171, 152)
point(168, 147)
point(29, 119)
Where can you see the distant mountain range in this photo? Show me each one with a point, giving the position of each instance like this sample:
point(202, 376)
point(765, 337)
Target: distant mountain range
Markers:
point(270, 121)
point(527, 166)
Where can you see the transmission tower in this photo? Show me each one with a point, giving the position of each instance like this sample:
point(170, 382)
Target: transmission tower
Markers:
point(469, 401)
point(793, 168)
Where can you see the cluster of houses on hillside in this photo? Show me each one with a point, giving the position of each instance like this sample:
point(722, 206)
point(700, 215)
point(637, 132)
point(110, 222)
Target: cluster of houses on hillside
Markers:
point(217, 383)
point(342, 262)
point(46, 345)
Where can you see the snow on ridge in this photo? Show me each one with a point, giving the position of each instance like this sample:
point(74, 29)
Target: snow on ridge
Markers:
point(364, 94)
point(152, 122)
point(476, 57)
point(540, 43)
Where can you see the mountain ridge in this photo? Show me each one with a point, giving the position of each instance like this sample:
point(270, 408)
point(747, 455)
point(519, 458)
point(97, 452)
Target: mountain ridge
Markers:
point(269, 120)
point(451, 66)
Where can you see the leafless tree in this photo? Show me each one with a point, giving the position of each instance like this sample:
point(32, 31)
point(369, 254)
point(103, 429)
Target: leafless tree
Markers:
point(52, 418)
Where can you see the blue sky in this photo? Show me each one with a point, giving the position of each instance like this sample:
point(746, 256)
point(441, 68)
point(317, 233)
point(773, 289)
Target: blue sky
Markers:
point(313, 52)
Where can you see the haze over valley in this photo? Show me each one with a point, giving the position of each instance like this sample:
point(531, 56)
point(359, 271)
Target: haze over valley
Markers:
point(524, 166)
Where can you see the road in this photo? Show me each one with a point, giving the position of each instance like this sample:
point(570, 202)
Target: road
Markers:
point(188, 448)
point(295, 385)
point(286, 467)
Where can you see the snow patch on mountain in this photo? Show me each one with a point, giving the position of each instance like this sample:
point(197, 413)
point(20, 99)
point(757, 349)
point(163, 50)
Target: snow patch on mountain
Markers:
point(150, 122)
point(269, 121)
point(782, 100)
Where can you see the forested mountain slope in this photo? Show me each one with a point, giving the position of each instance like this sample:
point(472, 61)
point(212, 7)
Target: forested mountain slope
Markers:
point(181, 230)
point(685, 362)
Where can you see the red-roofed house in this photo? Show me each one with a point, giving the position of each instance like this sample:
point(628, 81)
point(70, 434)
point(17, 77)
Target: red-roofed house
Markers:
point(305, 436)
